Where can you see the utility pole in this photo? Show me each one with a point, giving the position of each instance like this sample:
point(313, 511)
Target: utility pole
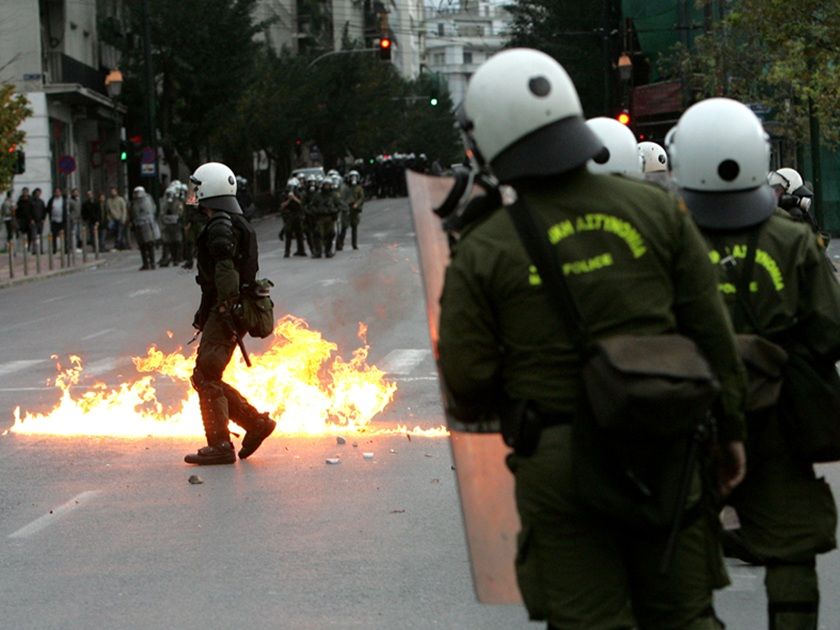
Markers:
point(816, 162)
point(605, 43)
point(151, 94)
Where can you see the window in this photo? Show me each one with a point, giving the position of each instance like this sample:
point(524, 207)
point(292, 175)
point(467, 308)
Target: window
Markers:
point(468, 57)
point(440, 29)
point(439, 59)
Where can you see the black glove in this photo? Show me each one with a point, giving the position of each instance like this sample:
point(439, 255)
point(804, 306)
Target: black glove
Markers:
point(199, 319)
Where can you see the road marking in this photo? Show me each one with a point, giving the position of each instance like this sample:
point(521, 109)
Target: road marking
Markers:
point(16, 366)
point(99, 367)
point(409, 379)
point(403, 360)
point(31, 322)
point(328, 282)
point(743, 580)
point(53, 299)
point(98, 334)
point(379, 235)
point(48, 519)
point(140, 292)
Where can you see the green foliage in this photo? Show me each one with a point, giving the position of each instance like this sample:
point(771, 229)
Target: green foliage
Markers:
point(202, 56)
point(572, 32)
point(222, 95)
point(14, 109)
point(774, 53)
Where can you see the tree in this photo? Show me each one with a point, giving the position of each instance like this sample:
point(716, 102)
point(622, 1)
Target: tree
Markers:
point(14, 109)
point(203, 54)
point(580, 36)
point(783, 57)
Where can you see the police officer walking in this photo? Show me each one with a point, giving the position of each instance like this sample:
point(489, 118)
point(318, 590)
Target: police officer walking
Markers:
point(777, 284)
point(227, 265)
point(636, 265)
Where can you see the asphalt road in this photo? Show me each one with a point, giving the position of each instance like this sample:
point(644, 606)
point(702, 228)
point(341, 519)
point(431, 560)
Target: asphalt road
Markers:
point(108, 533)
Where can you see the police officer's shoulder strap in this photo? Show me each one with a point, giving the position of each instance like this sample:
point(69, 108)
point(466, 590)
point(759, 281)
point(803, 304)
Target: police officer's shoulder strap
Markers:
point(542, 255)
point(742, 280)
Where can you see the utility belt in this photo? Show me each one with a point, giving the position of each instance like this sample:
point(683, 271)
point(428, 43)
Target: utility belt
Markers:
point(523, 423)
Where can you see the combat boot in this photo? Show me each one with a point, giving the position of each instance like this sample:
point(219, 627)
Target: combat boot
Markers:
point(255, 436)
point(219, 450)
point(354, 237)
point(221, 453)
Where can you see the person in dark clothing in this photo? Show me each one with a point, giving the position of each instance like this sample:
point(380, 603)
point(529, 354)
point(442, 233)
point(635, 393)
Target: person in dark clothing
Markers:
point(36, 221)
point(227, 265)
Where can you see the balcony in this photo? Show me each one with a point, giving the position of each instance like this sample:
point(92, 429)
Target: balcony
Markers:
point(64, 69)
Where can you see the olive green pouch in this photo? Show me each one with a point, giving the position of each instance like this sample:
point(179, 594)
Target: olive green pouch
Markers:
point(258, 309)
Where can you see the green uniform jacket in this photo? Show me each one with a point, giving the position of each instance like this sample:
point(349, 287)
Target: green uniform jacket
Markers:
point(357, 199)
point(324, 203)
point(793, 288)
point(634, 260)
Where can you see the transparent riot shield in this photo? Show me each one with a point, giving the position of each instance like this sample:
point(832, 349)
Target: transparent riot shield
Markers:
point(485, 485)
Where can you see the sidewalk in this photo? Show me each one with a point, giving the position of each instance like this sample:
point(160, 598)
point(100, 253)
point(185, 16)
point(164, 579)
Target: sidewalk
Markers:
point(15, 270)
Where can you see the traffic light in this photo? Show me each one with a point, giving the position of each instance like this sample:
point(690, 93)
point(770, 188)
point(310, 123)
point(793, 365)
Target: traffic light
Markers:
point(385, 45)
point(124, 146)
point(19, 160)
point(433, 101)
point(623, 117)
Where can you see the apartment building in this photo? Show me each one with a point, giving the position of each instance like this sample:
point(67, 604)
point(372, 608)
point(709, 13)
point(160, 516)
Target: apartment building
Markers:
point(51, 52)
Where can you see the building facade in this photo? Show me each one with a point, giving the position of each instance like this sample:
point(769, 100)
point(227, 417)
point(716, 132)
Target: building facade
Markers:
point(51, 52)
point(460, 38)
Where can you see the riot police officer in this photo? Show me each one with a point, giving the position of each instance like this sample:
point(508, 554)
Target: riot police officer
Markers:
point(502, 344)
point(778, 285)
point(227, 265)
point(291, 211)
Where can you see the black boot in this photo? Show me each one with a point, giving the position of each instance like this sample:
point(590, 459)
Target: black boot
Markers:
point(144, 255)
point(354, 233)
point(219, 450)
point(216, 455)
point(255, 436)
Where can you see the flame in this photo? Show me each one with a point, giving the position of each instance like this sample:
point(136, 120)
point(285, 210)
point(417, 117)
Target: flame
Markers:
point(299, 380)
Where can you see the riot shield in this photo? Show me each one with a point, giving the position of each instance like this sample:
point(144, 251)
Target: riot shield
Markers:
point(485, 485)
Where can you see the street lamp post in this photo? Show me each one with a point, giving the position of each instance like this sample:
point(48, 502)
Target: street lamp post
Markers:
point(113, 85)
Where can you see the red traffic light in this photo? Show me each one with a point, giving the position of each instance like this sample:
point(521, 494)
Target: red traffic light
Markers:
point(384, 43)
point(624, 118)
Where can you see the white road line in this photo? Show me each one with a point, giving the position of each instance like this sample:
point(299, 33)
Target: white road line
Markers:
point(328, 282)
point(379, 235)
point(16, 366)
point(403, 360)
point(53, 299)
point(56, 513)
point(140, 292)
point(99, 367)
point(98, 334)
point(410, 379)
point(743, 580)
point(30, 323)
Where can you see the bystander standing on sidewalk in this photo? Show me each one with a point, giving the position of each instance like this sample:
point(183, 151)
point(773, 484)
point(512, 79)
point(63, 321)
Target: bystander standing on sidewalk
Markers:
point(74, 219)
point(117, 218)
point(36, 223)
point(58, 215)
point(23, 212)
point(7, 212)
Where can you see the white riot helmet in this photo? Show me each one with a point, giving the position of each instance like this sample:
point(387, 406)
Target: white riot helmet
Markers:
point(620, 154)
point(654, 157)
point(522, 116)
point(353, 177)
point(720, 155)
point(791, 181)
point(293, 184)
point(214, 186)
point(139, 192)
